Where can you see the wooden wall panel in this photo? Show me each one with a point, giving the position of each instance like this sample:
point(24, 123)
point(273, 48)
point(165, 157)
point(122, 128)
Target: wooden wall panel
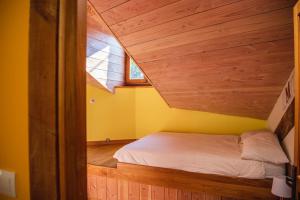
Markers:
point(205, 55)
point(112, 188)
point(104, 187)
point(145, 192)
point(133, 191)
point(101, 187)
point(157, 193)
point(92, 187)
point(171, 194)
point(198, 196)
point(123, 190)
point(105, 56)
point(184, 195)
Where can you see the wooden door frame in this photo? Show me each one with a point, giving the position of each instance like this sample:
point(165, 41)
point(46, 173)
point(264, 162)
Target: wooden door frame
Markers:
point(57, 100)
point(297, 92)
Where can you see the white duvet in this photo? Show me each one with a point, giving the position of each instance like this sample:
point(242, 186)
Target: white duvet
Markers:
point(210, 154)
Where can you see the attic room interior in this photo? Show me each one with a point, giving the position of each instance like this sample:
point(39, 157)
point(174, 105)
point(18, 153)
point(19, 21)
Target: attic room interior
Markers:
point(149, 100)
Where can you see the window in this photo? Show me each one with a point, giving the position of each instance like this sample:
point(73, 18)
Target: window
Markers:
point(134, 75)
point(134, 71)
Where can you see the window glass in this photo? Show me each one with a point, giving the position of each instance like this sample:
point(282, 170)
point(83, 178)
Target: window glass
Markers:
point(135, 73)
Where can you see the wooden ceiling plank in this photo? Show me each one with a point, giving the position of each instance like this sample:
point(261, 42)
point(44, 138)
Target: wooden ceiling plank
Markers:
point(227, 102)
point(131, 9)
point(249, 53)
point(105, 5)
point(166, 14)
point(201, 55)
point(263, 64)
point(238, 78)
point(276, 18)
point(189, 24)
point(96, 23)
point(236, 40)
point(236, 89)
point(191, 11)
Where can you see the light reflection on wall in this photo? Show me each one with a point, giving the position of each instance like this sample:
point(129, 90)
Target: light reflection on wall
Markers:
point(97, 65)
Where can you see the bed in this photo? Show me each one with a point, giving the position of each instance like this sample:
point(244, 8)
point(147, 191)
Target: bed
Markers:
point(200, 153)
point(199, 166)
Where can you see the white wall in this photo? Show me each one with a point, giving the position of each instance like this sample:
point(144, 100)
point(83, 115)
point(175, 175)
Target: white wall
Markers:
point(277, 113)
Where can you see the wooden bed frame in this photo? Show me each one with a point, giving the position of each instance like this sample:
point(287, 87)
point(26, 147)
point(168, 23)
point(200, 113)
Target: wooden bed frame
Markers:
point(129, 181)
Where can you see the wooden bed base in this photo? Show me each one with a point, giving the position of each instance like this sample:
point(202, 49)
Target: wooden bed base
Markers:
point(137, 182)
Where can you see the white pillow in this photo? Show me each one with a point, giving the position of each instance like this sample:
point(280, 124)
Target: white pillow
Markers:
point(252, 133)
point(262, 146)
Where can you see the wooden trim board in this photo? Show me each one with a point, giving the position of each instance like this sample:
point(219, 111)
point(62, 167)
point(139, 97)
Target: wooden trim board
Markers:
point(297, 88)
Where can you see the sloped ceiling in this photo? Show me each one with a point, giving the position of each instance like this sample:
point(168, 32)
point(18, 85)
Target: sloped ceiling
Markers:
point(222, 56)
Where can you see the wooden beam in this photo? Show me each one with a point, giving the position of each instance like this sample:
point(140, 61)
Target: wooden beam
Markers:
point(57, 100)
point(72, 100)
point(43, 132)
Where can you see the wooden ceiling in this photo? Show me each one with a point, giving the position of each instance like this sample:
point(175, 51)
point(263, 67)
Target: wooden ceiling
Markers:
point(223, 56)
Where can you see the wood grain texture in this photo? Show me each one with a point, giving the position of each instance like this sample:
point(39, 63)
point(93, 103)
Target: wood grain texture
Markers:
point(171, 194)
point(57, 101)
point(133, 191)
point(296, 13)
point(43, 118)
point(145, 192)
point(105, 56)
point(142, 189)
point(297, 95)
point(112, 188)
point(71, 93)
point(172, 42)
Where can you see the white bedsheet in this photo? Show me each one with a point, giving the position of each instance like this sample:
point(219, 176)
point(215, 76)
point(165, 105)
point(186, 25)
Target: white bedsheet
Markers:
point(210, 154)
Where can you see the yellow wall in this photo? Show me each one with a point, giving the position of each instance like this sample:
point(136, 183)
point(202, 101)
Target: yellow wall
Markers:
point(153, 114)
point(112, 115)
point(136, 112)
point(14, 23)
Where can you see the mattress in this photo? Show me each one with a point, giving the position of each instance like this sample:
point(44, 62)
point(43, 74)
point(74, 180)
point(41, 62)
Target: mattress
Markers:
point(200, 153)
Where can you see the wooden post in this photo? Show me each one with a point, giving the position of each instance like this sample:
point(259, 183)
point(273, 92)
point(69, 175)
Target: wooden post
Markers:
point(57, 126)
